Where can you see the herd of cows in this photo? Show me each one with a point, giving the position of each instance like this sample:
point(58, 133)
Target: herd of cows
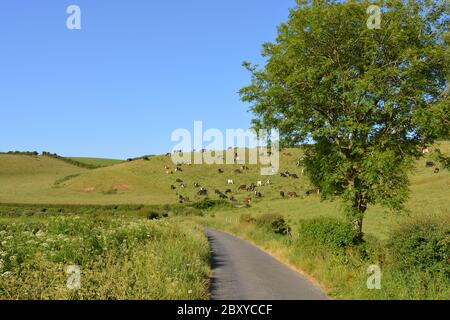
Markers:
point(228, 193)
point(253, 187)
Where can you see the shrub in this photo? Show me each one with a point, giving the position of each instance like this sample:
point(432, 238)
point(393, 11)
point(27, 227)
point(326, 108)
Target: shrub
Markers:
point(422, 245)
point(275, 222)
point(153, 215)
point(328, 231)
point(207, 203)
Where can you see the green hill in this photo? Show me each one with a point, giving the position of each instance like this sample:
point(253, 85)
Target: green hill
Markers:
point(31, 179)
point(46, 180)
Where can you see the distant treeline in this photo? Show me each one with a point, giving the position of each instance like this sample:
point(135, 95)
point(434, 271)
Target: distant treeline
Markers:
point(70, 161)
point(53, 155)
point(22, 153)
point(146, 158)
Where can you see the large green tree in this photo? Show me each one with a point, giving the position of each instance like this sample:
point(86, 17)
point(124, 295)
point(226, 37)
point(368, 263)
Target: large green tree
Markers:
point(365, 101)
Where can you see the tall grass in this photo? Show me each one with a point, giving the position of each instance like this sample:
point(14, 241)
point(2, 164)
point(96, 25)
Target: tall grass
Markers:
point(119, 258)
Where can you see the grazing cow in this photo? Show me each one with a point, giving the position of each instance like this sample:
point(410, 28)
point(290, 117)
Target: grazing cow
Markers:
point(182, 185)
point(228, 191)
point(173, 187)
point(223, 196)
point(202, 192)
point(251, 187)
point(166, 167)
point(179, 180)
point(292, 195)
point(429, 164)
point(217, 191)
point(294, 176)
point(259, 183)
point(169, 172)
point(220, 170)
point(284, 174)
point(436, 170)
point(244, 168)
point(178, 169)
point(268, 182)
point(303, 171)
point(425, 150)
point(282, 194)
point(196, 185)
point(248, 200)
point(230, 181)
point(242, 187)
point(237, 171)
point(258, 194)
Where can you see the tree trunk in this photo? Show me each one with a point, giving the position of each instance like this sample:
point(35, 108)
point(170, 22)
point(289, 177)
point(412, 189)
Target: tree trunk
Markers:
point(357, 225)
point(359, 208)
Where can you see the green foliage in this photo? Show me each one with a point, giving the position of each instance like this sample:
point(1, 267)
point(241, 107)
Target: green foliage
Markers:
point(157, 214)
point(328, 231)
point(22, 153)
point(208, 204)
point(421, 245)
point(368, 99)
point(70, 161)
point(275, 222)
point(119, 258)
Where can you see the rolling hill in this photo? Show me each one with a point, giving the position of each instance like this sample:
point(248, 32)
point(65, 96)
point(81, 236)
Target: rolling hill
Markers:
point(46, 180)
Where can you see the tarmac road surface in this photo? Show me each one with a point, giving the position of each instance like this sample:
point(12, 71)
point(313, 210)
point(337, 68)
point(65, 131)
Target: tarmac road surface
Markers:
point(241, 271)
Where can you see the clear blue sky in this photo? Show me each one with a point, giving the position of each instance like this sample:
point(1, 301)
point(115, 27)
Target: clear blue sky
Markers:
point(136, 71)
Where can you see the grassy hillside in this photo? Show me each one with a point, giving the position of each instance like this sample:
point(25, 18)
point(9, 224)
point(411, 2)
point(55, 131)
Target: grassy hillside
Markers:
point(31, 179)
point(27, 179)
point(48, 180)
point(96, 162)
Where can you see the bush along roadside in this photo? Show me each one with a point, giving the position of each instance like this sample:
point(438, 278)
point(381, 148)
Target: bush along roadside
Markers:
point(412, 264)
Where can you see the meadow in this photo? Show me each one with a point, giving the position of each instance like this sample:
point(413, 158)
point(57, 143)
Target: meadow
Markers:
point(120, 255)
point(123, 225)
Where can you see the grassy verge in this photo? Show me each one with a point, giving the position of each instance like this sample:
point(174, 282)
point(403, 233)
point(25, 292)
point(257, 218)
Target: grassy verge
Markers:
point(341, 268)
point(120, 256)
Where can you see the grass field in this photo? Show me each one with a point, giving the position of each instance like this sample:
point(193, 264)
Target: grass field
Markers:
point(120, 255)
point(45, 181)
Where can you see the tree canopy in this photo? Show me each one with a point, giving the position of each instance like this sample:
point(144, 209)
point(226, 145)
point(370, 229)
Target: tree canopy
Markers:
point(365, 101)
